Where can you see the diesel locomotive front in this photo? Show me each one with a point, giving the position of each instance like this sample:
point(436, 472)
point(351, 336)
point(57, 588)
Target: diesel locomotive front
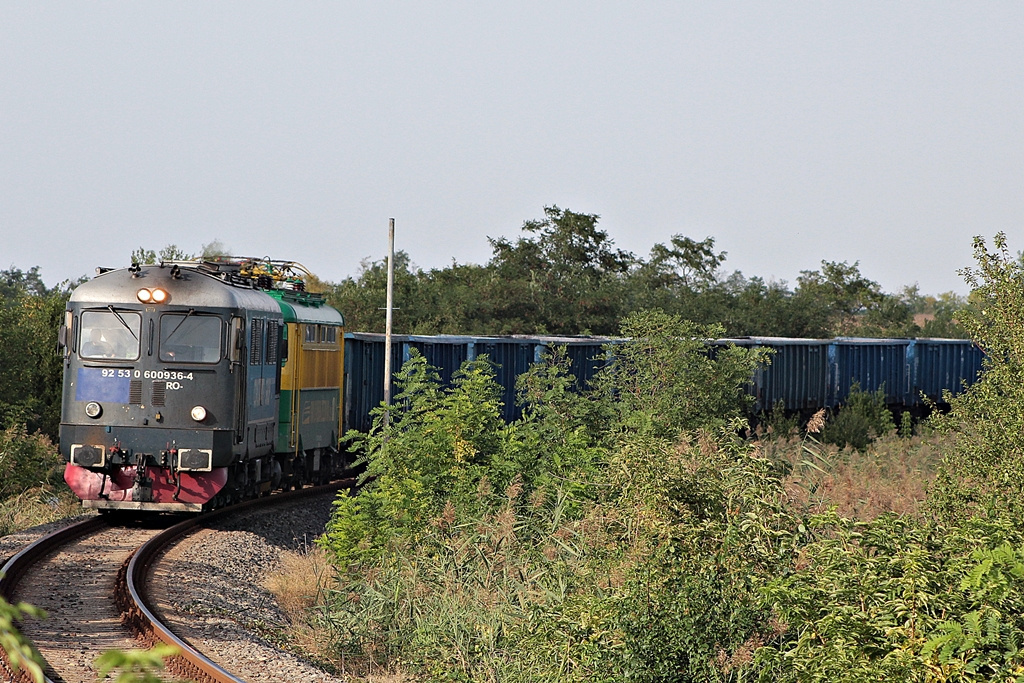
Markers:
point(172, 387)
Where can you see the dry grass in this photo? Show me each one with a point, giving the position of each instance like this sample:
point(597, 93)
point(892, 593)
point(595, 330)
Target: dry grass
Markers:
point(300, 588)
point(37, 506)
point(892, 475)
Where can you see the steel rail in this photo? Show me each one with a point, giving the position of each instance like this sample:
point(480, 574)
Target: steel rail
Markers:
point(135, 605)
point(131, 594)
point(15, 568)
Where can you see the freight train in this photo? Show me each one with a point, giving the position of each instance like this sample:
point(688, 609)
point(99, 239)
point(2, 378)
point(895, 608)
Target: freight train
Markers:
point(804, 376)
point(194, 384)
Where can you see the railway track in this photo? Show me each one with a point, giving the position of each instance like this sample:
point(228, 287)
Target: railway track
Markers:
point(92, 578)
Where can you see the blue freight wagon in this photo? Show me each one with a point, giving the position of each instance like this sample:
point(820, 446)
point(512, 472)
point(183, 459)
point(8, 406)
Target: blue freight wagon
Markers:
point(938, 365)
point(804, 375)
point(797, 376)
point(870, 364)
point(510, 355)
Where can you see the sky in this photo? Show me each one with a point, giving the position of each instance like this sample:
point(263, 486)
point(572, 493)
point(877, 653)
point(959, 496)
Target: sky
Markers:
point(884, 133)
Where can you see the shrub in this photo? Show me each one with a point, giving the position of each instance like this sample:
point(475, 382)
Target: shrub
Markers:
point(533, 553)
point(435, 448)
point(984, 471)
point(778, 423)
point(864, 418)
point(20, 652)
point(892, 599)
point(710, 524)
point(462, 540)
point(26, 460)
point(666, 380)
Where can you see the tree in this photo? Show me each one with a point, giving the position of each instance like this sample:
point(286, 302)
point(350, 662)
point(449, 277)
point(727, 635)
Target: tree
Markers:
point(362, 300)
point(564, 277)
point(148, 257)
point(848, 303)
point(30, 315)
point(686, 263)
point(985, 470)
point(569, 241)
point(14, 282)
point(212, 250)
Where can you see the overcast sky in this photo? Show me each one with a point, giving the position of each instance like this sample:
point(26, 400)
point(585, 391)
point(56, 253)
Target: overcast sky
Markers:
point(888, 133)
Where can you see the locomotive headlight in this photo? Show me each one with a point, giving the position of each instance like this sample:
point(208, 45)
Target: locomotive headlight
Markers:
point(156, 296)
point(93, 409)
point(199, 413)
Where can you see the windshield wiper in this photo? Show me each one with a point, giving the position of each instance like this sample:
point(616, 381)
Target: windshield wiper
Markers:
point(126, 325)
point(183, 319)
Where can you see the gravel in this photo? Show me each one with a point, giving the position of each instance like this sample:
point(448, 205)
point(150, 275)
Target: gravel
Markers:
point(212, 595)
point(12, 544)
point(210, 587)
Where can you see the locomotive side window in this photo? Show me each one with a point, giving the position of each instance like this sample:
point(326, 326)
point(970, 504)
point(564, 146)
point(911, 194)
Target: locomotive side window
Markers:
point(110, 334)
point(238, 339)
point(189, 338)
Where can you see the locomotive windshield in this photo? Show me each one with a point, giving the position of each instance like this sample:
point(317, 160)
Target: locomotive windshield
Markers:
point(189, 338)
point(110, 334)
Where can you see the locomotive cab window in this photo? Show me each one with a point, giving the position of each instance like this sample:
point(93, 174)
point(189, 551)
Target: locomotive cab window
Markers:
point(189, 338)
point(110, 334)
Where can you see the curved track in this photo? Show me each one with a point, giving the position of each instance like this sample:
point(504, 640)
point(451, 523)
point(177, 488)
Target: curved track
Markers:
point(91, 578)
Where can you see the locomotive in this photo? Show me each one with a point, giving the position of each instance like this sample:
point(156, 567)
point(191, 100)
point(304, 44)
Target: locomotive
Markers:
point(190, 385)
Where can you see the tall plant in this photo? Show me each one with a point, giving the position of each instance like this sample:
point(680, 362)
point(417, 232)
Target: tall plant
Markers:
point(984, 473)
point(667, 379)
point(434, 447)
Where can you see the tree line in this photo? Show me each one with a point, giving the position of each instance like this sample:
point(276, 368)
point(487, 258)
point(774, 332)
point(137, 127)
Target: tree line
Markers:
point(564, 276)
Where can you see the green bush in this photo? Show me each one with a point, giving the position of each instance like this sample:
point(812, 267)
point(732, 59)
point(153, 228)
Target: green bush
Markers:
point(561, 547)
point(30, 384)
point(666, 380)
point(709, 525)
point(891, 599)
point(435, 448)
point(26, 460)
point(778, 423)
point(860, 421)
point(984, 472)
point(19, 650)
point(463, 539)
